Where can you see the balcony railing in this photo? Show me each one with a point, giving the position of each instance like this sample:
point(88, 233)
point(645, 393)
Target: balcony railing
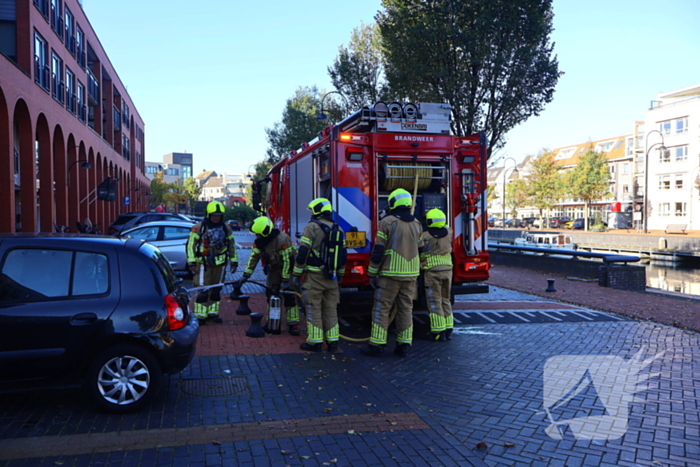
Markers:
point(82, 112)
point(70, 44)
point(58, 88)
point(72, 103)
point(117, 118)
point(41, 74)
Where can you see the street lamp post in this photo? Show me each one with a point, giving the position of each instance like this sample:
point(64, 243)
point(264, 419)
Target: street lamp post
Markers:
point(321, 116)
point(515, 171)
point(85, 165)
point(645, 212)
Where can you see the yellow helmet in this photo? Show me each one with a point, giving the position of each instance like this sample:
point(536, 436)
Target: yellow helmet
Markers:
point(399, 197)
point(436, 218)
point(320, 205)
point(215, 208)
point(262, 226)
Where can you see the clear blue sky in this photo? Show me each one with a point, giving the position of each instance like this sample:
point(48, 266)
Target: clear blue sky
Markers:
point(209, 78)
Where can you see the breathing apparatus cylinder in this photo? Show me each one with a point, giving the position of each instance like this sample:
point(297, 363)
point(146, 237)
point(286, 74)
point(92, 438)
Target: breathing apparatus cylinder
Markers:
point(274, 316)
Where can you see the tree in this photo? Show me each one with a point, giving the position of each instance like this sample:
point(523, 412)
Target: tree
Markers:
point(299, 124)
point(590, 180)
point(357, 72)
point(491, 60)
point(159, 188)
point(192, 191)
point(544, 183)
point(241, 212)
point(517, 196)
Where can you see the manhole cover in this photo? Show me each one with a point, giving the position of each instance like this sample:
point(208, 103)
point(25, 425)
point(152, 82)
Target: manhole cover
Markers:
point(214, 387)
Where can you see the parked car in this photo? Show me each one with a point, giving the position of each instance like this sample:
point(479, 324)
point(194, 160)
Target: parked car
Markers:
point(102, 312)
point(171, 239)
point(235, 225)
point(558, 222)
point(529, 222)
point(579, 223)
point(132, 219)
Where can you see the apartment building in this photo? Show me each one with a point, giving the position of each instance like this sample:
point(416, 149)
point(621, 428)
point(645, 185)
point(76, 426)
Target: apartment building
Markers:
point(68, 127)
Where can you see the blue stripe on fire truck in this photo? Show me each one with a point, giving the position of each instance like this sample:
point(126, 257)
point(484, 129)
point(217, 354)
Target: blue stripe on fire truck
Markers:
point(353, 209)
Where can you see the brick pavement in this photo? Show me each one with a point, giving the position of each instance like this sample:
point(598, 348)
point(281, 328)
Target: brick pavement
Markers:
point(485, 386)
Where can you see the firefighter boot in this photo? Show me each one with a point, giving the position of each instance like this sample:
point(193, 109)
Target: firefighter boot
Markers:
point(311, 347)
point(294, 329)
point(448, 334)
point(332, 346)
point(215, 319)
point(373, 350)
point(402, 350)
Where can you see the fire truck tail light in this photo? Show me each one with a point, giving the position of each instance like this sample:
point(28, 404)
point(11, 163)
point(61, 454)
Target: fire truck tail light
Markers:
point(476, 266)
point(468, 160)
point(345, 137)
point(355, 156)
point(357, 270)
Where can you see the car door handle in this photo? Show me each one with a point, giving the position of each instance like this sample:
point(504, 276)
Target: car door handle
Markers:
point(82, 319)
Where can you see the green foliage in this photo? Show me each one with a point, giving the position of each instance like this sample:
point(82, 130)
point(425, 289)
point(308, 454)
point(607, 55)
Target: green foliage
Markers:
point(517, 195)
point(544, 185)
point(240, 212)
point(490, 59)
point(192, 192)
point(590, 179)
point(357, 72)
point(159, 188)
point(299, 123)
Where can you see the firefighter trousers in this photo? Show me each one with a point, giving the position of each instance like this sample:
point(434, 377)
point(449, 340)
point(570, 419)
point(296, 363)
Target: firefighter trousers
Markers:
point(438, 286)
point(208, 275)
point(274, 283)
point(390, 290)
point(321, 297)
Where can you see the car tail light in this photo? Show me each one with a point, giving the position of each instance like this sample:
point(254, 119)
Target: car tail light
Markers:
point(357, 270)
point(176, 315)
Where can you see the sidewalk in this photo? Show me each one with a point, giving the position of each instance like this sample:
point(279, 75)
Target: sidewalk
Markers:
point(475, 401)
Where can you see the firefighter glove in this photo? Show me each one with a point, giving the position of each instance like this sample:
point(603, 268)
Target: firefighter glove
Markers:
point(243, 280)
point(234, 267)
point(192, 267)
point(373, 281)
point(296, 283)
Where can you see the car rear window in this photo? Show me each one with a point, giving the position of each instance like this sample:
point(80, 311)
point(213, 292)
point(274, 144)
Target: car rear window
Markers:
point(121, 220)
point(163, 266)
point(44, 274)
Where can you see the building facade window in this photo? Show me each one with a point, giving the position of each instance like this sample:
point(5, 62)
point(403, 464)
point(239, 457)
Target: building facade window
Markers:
point(151, 169)
point(125, 113)
point(625, 189)
point(625, 168)
point(80, 101)
point(57, 77)
point(680, 210)
point(56, 17)
point(678, 182)
point(664, 209)
point(43, 7)
point(681, 153)
point(682, 125)
point(41, 66)
point(70, 32)
point(665, 156)
point(665, 182)
point(71, 98)
point(80, 46)
point(665, 128)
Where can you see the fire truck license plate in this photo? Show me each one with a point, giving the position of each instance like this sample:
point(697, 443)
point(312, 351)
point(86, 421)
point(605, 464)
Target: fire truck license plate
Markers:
point(355, 240)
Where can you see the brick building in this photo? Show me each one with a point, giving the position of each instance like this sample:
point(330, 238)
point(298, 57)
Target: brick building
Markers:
point(67, 124)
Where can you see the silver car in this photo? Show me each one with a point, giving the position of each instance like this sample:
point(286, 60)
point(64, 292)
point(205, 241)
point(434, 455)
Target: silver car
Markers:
point(169, 236)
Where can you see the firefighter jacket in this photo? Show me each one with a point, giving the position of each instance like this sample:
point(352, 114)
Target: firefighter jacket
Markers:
point(211, 244)
point(310, 257)
point(437, 249)
point(276, 251)
point(397, 247)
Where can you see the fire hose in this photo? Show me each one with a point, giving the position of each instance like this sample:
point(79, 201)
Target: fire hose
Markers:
point(392, 315)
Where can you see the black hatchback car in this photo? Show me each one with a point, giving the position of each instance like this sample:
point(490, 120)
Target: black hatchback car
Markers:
point(102, 312)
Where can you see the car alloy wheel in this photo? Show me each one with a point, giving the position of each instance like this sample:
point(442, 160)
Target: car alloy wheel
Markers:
point(124, 378)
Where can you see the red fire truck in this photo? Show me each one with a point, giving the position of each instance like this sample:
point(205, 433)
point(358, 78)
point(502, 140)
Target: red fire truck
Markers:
point(357, 163)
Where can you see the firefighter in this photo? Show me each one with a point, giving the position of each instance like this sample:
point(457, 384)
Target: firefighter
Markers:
point(393, 271)
point(210, 246)
point(436, 263)
point(320, 290)
point(277, 252)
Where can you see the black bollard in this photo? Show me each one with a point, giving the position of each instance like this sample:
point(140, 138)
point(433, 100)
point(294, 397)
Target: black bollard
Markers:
point(236, 293)
point(243, 308)
point(550, 286)
point(256, 329)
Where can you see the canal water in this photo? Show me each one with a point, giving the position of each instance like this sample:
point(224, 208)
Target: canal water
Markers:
point(680, 277)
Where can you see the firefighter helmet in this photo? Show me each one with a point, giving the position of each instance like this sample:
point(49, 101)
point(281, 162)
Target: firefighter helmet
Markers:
point(436, 218)
point(320, 205)
point(399, 197)
point(215, 208)
point(262, 226)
